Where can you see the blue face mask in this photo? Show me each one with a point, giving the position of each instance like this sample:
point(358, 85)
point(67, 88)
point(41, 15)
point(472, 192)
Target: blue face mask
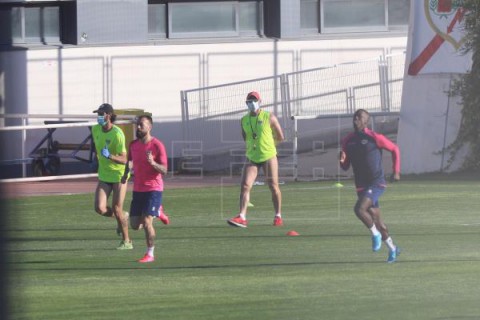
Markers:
point(101, 120)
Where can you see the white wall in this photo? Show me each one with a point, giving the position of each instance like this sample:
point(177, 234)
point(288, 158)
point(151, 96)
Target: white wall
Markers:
point(76, 80)
point(429, 121)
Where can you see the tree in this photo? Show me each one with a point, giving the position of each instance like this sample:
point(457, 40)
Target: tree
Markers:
point(467, 86)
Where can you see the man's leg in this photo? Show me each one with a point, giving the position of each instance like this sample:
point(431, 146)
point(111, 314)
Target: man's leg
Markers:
point(363, 212)
point(136, 223)
point(119, 191)
point(271, 174)
point(249, 174)
point(152, 202)
point(378, 221)
point(382, 227)
point(136, 210)
point(149, 238)
point(102, 192)
point(149, 231)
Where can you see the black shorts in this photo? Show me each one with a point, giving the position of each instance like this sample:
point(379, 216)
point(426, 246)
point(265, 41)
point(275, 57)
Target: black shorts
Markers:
point(257, 164)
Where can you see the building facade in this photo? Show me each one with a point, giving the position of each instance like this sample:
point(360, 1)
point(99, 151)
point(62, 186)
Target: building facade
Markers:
point(69, 56)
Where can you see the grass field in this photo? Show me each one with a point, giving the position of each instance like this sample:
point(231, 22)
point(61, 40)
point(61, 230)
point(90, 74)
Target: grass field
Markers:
point(63, 262)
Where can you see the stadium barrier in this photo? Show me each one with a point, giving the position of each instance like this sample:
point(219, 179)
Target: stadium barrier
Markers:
point(313, 145)
point(27, 136)
point(211, 115)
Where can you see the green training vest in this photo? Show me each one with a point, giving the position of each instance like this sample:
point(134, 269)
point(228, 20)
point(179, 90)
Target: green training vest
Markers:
point(114, 140)
point(259, 137)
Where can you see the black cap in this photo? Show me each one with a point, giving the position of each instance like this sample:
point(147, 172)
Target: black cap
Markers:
point(105, 108)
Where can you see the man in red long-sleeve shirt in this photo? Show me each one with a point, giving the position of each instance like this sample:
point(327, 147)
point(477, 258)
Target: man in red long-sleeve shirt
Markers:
point(363, 150)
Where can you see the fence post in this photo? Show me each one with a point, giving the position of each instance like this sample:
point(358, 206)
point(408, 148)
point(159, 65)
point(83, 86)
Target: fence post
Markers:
point(350, 100)
point(285, 100)
point(24, 139)
point(184, 108)
point(295, 148)
point(383, 77)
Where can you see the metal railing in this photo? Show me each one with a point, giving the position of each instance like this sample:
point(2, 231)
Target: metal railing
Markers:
point(209, 114)
point(35, 124)
point(212, 114)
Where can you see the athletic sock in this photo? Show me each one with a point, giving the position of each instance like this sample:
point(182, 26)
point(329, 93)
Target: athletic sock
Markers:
point(390, 245)
point(243, 216)
point(278, 214)
point(150, 251)
point(374, 230)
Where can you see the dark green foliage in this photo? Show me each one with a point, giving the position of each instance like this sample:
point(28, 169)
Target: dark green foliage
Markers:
point(468, 88)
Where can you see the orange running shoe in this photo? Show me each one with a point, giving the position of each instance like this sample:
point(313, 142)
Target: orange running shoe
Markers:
point(163, 217)
point(238, 222)
point(146, 258)
point(277, 222)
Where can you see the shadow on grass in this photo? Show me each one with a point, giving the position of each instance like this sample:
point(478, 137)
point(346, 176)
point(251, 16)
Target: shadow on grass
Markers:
point(152, 266)
point(60, 229)
point(51, 250)
point(458, 317)
point(239, 235)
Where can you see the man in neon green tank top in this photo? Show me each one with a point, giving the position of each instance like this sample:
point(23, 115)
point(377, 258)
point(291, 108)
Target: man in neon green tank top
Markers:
point(261, 132)
point(112, 156)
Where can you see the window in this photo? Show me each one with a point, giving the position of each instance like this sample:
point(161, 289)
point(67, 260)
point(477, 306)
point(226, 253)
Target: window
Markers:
point(336, 16)
point(17, 24)
point(193, 20)
point(51, 22)
point(31, 24)
point(309, 12)
point(398, 12)
point(251, 18)
point(157, 21)
point(353, 15)
point(215, 19)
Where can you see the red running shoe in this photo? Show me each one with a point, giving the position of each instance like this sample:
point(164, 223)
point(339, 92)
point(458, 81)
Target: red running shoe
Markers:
point(163, 216)
point(237, 222)
point(146, 258)
point(277, 222)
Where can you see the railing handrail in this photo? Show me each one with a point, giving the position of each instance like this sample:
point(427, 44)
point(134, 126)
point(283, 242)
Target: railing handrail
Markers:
point(65, 125)
point(56, 116)
point(230, 84)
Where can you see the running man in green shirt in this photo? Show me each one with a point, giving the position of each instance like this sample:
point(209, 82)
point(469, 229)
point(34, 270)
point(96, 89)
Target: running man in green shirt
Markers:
point(261, 132)
point(111, 151)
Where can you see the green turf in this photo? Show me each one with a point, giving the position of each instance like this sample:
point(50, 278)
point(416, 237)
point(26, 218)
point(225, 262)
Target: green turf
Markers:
point(63, 262)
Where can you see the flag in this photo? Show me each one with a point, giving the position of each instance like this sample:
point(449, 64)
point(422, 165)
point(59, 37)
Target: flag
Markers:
point(437, 37)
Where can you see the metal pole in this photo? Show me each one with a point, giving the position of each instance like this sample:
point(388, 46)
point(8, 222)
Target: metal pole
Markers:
point(446, 125)
point(382, 83)
point(295, 149)
point(24, 139)
point(275, 74)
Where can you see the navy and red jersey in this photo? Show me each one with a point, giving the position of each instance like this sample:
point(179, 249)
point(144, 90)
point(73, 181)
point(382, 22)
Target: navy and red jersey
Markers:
point(364, 152)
